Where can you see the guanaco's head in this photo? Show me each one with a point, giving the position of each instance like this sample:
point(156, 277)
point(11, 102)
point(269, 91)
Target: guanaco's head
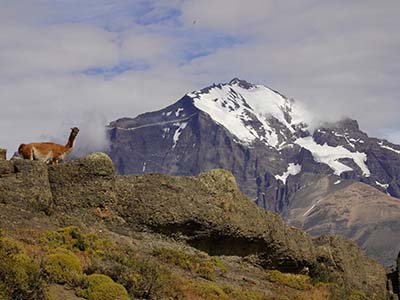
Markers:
point(74, 131)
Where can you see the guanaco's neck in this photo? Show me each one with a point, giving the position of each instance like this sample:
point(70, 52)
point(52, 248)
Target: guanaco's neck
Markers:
point(71, 140)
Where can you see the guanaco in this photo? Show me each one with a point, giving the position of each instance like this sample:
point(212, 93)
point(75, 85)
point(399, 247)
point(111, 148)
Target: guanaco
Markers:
point(50, 153)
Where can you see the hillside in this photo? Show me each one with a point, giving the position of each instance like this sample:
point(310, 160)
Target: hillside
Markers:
point(161, 237)
point(352, 209)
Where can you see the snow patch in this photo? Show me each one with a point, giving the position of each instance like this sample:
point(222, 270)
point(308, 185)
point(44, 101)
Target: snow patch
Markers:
point(293, 169)
point(337, 182)
point(311, 208)
point(385, 186)
point(331, 155)
point(144, 167)
point(389, 148)
point(178, 111)
point(165, 132)
point(178, 132)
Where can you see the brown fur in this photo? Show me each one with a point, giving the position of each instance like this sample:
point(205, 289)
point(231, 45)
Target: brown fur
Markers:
point(50, 153)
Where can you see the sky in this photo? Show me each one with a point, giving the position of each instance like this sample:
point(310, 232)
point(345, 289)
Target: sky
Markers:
point(85, 63)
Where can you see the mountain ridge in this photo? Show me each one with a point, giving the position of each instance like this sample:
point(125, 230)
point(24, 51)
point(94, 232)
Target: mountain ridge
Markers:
point(239, 108)
point(265, 144)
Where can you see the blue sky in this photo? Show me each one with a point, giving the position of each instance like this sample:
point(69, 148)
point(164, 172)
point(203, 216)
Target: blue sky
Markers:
point(76, 62)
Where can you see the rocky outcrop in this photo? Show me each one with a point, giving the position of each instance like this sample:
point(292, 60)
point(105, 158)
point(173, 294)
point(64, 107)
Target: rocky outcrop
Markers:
point(3, 154)
point(25, 184)
point(394, 281)
point(208, 212)
point(211, 214)
point(86, 182)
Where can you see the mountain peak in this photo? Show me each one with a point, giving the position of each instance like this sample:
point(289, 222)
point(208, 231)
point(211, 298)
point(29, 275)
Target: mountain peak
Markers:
point(242, 83)
point(252, 113)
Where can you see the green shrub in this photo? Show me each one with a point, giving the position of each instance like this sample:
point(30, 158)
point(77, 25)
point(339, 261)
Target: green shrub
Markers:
point(63, 266)
point(68, 237)
point(107, 291)
point(205, 290)
point(20, 276)
point(246, 295)
point(3, 291)
point(145, 280)
point(358, 295)
point(205, 268)
point(73, 239)
point(295, 281)
point(102, 287)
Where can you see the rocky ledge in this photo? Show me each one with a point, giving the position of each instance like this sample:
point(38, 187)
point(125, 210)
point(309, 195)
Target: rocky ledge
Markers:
point(208, 212)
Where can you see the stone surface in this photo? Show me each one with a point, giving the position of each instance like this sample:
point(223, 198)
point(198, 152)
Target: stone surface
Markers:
point(213, 215)
point(3, 154)
point(210, 213)
point(25, 184)
point(86, 182)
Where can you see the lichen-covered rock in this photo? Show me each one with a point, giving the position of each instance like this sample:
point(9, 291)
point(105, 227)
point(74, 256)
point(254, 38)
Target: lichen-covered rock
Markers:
point(25, 184)
point(3, 154)
point(86, 182)
point(210, 213)
point(344, 259)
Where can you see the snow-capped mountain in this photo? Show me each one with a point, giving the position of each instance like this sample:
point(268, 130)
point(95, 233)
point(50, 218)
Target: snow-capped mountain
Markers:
point(258, 134)
point(262, 137)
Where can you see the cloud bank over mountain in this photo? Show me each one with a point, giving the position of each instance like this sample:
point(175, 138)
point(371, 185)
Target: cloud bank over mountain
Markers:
point(60, 59)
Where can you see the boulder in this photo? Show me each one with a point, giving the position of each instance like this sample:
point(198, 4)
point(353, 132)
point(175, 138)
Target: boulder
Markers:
point(347, 265)
point(3, 154)
point(86, 182)
point(25, 184)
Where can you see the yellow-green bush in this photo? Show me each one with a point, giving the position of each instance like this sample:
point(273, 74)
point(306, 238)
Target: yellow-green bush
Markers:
point(3, 291)
point(63, 266)
point(20, 276)
point(200, 290)
point(73, 239)
point(358, 295)
point(205, 290)
point(102, 287)
point(205, 268)
point(295, 281)
point(246, 295)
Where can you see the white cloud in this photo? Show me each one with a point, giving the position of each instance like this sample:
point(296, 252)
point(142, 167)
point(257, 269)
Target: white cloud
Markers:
point(231, 16)
point(339, 58)
point(57, 48)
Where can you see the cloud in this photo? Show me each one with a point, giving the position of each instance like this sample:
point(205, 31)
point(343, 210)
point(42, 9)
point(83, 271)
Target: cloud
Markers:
point(66, 62)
